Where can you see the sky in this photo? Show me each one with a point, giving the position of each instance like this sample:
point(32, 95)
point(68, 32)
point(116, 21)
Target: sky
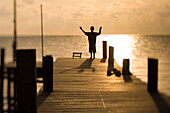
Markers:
point(63, 17)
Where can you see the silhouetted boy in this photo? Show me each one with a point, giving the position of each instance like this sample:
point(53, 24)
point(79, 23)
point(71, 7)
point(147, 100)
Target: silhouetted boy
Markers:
point(92, 39)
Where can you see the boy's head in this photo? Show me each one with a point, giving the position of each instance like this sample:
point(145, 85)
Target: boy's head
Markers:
point(92, 28)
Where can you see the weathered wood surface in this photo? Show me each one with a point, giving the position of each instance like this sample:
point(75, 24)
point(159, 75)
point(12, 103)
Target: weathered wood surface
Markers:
point(39, 85)
point(81, 86)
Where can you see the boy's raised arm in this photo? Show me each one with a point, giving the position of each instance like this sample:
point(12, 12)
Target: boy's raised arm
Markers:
point(100, 30)
point(82, 30)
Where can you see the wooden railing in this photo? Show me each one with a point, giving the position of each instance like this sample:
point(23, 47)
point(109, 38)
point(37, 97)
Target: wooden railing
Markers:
point(18, 85)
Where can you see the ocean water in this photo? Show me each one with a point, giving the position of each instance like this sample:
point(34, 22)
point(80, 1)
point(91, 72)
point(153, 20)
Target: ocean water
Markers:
point(138, 48)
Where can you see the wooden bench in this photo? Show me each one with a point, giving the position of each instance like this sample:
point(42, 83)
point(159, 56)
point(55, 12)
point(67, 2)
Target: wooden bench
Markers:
point(77, 54)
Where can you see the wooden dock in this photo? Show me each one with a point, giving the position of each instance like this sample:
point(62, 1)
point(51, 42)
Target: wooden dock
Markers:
point(81, 86)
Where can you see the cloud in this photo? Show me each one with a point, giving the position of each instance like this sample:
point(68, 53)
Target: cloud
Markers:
point(164, 12)
point(5, 11)
point(65, 16)
point(28, 1)
point(86, 11)
point(140, 11)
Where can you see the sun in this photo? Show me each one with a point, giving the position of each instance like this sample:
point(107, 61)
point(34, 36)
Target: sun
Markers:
point(122, 46)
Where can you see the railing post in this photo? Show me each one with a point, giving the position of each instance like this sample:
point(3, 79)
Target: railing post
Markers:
point(104, 49)
point(15, 91)
point(152, 75)
point(48, 73)
point(126, 66)
point(9, 90)
point(26, 81)
point(2, 55)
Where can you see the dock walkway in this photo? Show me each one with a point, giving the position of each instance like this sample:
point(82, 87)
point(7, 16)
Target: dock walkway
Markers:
point(81, 86)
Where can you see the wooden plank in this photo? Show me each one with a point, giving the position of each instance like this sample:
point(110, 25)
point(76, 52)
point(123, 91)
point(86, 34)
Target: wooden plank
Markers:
point(81, 86)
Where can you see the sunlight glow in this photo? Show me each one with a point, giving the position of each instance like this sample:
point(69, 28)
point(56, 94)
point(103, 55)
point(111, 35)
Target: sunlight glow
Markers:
point(122, 46)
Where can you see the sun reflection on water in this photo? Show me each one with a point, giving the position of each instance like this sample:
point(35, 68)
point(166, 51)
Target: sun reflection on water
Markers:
point(122, 46)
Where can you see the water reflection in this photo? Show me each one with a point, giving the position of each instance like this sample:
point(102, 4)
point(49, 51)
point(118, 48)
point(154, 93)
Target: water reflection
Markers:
point(122, 46)
point(138, 48)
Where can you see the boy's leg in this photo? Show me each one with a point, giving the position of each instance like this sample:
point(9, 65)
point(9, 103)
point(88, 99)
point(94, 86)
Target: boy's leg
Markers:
point(94, 55)
point(91, 55)
point(94, 51)
point(90, 50)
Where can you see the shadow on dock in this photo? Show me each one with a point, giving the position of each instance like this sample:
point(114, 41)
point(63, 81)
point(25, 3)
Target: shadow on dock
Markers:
point(102, 60)
point(83, 93)
point(127, 78)
point(42, 97)
point(161, 104)
point(85, 65)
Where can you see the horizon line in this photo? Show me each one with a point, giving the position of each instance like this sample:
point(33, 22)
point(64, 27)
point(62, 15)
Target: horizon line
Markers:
point(82, 34)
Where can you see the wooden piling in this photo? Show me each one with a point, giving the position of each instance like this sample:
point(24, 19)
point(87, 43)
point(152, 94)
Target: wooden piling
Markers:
point(1, 78)
point(110, 61)
point(126, 66)
point(2, 57)
point(152, 75)
point(15, 32)
point(42, 31)
point(48, 73)
point(26, 81)
point(104, 49)
point(111, 56)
